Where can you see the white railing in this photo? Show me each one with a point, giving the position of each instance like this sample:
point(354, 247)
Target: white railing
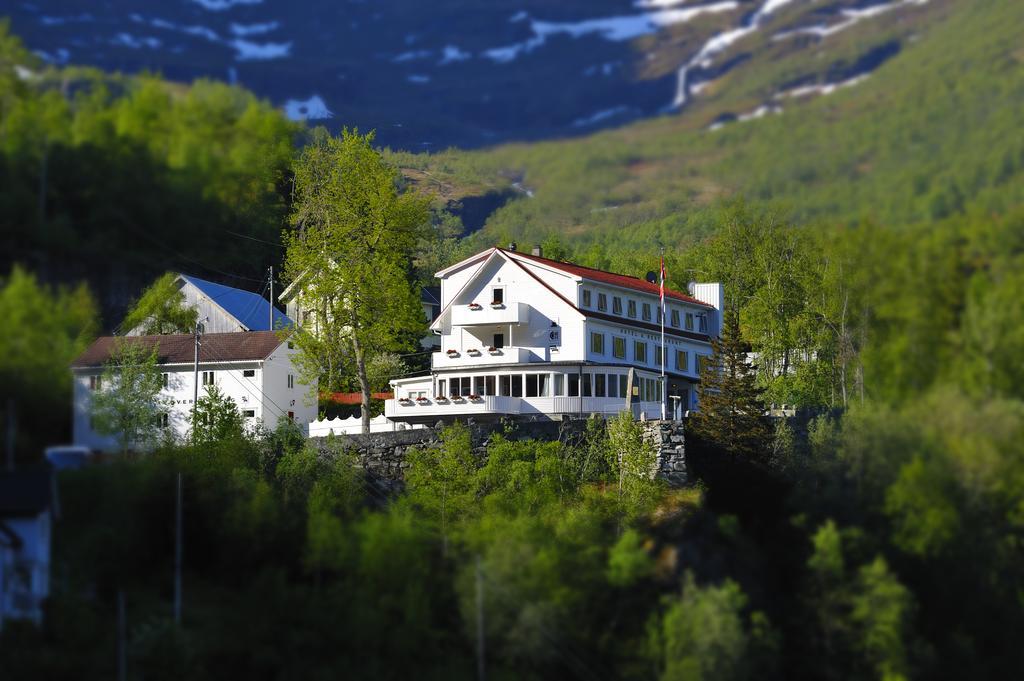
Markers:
point(496, 404)
point(353, 425)
point(480, 356)
point(485, 313)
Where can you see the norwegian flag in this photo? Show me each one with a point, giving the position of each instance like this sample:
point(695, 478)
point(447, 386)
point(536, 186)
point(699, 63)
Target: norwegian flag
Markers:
point(663, 277)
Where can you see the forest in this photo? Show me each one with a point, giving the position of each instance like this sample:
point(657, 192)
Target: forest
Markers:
point(878, 535)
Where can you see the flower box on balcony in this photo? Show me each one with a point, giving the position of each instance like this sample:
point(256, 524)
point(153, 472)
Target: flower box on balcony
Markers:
point(494, 351)
point(497, 304)
point(440, 399)
point(422, 400)
point(474, 352)
point(475, 306)
point(475, 398)
point(453, 353)
point(405, 401)
point(458, 398)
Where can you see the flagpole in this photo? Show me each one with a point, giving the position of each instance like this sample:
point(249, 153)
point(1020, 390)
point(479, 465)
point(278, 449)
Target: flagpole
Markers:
point(664, 352)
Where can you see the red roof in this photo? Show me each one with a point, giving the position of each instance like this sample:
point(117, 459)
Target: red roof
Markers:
point(611, 278)
point(180, 348)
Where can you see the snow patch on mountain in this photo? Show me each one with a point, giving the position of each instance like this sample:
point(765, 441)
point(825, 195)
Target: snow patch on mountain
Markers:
point(851, 17)
point(243, 30)
point(128, 40)
point(222, 5)
point(250, 51)
point(451, 54)
point(314, 108)
point(600, 116)
point(615, 29)
point(822, 89)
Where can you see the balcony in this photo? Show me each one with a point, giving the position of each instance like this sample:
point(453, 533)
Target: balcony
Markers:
point(478, 357)
point(484, 314)
point(484, 405)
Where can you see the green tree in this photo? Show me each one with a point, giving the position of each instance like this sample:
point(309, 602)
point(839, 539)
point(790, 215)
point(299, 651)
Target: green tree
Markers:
point(350, 252)
point(129, 406)
point(633, 463)
point(161, 310)
point(216, 418)
point(730, 411)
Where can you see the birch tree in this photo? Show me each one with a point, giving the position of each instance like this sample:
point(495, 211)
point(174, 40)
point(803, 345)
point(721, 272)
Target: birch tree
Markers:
point(354, 231)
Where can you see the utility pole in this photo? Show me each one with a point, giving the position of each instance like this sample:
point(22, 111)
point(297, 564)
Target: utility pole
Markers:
point(271, 327)
point(177, 555)
point(663, 350)
point(12, 426)
point(481, 673)
point(122, 652)
point(195, 373)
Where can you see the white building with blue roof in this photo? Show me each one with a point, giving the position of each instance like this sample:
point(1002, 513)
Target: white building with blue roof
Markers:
point(226, 309)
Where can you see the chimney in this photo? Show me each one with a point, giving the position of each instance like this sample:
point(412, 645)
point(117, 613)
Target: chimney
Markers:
point(512, 246)
point(537, 251)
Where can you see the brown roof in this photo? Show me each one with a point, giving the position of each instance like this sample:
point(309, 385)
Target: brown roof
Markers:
point(240, 346)
point(622, 280)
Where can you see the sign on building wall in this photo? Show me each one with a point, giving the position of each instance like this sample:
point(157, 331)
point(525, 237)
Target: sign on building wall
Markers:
point(555, 336)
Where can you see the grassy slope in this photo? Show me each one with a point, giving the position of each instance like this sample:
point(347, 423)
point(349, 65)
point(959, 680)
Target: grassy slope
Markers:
point(933, 131)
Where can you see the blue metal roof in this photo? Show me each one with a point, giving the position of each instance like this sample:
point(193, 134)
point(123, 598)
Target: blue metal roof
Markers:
point(251, 310)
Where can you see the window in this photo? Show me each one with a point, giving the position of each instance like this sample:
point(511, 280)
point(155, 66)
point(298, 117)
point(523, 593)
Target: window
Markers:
point(574, 385)
point(597, 343)
point(631, 308)
point(544, 385)
point(478, 386)
point(702, 362)
point(703, 319)
point(616, 305)
point(456, 387)
point(602, 302)
point(585, 380)
point(162, 420)
point(442, 385)
point(291, 415)
point(249, 373)
point(465, 383)
point(208, 378)
point(647, 312)
point(163, 380)
point(657, 355)
point(498, 295)
point(619, 347)
point(613, 385)
point(517, 385)
point(586, 297)
point(291, 381)
point(682, 360)
point(532, 387)
point(658, 315)
point(599, 383)
point(559, 387)
point(689, 321)
point(95, 382)
point(623, 380)
point(675, 318)
point(640, 352)
point(488, 386)
point(249, 413)
point(504, 385)
point(499, 340)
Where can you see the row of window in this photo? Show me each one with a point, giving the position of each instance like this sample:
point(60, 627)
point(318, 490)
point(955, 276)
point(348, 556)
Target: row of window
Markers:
point(689, 319)
point(682, 357)
point(96, 382)
point(588, 384)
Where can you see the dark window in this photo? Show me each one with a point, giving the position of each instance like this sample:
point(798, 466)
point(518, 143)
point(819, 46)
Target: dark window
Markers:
point(586, 385)
point(488, 386)
point(517, 385)
point(602, 302)
point(623, 381)
point(647, 312)
point(207, 378)
point(532, 389)
point(599, 385)
point(249, 413)
point(249, 373)
point(658, 355)
point(95, 382)
point(631, 308)
point(675, 318)
point(479, 388)
point(689, 321)
point(574, 385)
point(497, 296)
point(640, 352)
point(613, 385)
point(291, 415)
point(504, 385)
point(163, 380)
point(466, 388)
point(456, 392)
point(291, 381)
point(682, 360)
point(499, 340)
point(559, 388)
point(586, 297)
point(441, 385)
point(703, 323)
point(543, 385)
point(597, 343)
point(616, 305)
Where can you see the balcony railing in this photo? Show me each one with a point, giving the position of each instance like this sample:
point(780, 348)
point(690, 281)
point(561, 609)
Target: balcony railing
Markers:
point(481, 357)
point(497, 404)
point(487, 314)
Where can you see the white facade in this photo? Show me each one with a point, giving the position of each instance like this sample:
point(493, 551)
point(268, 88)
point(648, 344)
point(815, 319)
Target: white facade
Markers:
point(265, 391)
point(524, 335)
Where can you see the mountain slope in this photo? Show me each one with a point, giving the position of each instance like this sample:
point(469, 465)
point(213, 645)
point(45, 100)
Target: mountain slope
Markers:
point(932, 131)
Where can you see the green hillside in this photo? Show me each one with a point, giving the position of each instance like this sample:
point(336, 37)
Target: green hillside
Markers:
point(932, 132)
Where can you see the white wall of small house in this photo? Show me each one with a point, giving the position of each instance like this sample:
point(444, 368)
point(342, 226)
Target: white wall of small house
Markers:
point(263, 397)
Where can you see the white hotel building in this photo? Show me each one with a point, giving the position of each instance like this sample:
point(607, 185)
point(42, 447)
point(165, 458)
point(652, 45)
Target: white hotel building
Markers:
point(525, 335)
